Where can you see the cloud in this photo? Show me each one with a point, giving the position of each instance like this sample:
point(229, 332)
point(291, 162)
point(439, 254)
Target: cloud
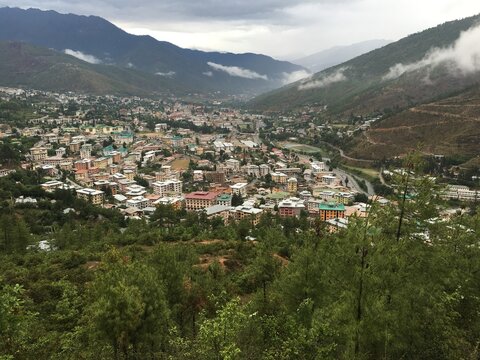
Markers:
point(130, 65)
point(325, 80)
point(462, 57)
point(82, 56)
point(167, 74)
point(237, 71)
point(208, 73)
point(288, 78)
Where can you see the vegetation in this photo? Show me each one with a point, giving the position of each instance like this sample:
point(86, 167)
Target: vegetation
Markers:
point(393, 285)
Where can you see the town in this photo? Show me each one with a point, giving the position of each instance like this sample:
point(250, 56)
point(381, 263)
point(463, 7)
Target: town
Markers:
point(135, 155)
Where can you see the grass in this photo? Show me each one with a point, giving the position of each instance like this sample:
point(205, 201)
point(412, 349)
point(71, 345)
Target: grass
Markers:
point(180, 164)
point(367, 173)
point(308, 149)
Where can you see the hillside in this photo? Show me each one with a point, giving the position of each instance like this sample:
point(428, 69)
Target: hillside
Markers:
point(450, 127)
point(398, 75)
point(39, 68)
point(339, 54)
point(97, 40)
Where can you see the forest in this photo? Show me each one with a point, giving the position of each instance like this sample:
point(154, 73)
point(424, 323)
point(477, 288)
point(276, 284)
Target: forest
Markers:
point(402, 283)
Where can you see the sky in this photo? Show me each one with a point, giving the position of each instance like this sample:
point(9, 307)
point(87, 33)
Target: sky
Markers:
point(284, 29)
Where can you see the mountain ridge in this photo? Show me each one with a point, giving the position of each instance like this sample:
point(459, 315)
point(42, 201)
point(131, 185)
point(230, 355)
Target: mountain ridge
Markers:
point(97, 37)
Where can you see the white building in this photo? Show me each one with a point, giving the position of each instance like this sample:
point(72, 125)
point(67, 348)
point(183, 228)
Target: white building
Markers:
point(239, 189)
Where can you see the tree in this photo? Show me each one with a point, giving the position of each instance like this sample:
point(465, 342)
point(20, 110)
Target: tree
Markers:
point(237, 200)
point(129, 309)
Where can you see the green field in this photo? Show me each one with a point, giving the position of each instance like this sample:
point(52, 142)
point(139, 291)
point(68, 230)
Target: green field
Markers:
point(308, 149)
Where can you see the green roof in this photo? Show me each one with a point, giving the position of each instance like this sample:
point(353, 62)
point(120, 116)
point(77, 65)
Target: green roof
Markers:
point(331, 207)
point(224, 197)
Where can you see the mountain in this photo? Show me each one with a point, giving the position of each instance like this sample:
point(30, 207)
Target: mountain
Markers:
point(96, 40)
point(399, 75)
point(25, 65)
point(449, 127)
point(336, 55)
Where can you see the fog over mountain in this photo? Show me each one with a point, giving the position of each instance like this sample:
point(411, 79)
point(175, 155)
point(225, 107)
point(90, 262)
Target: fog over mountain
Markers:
point(338, 54)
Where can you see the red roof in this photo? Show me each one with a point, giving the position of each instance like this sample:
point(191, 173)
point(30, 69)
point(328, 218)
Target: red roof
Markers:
point(202, 195)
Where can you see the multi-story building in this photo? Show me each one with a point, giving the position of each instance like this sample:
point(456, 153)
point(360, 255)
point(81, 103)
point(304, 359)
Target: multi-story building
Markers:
point(138, 202)
point(224, 199)
point(233, 164)
point(460, 192)
point(291, 207)
point(329, 211)
point(252, 170)
point(264, 169)
point(292, 185)
point(167, 187)
point(38, 153)
point(279, 177)
point(246, 212)
point(86, 151)
point(93, 196)
point(200, 200)
point(239, 189)
point(60, 151)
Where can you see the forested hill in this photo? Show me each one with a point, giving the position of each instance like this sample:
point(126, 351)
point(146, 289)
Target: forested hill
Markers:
point(98, 41)
point(398, 75)
point(186, 287)
point(29, 66)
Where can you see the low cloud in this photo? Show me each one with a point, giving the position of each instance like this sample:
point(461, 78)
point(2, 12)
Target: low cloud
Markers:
point(82, 56)
point(462, 57)
point(325, 80)
point(288, 78)
point(237, 71)
point(208, 73)
point(167, 74)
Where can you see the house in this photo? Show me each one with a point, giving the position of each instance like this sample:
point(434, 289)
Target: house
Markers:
point(200, 200)
point(291, 207)
point(96, 197)
point(331, 210)
point(239, 189)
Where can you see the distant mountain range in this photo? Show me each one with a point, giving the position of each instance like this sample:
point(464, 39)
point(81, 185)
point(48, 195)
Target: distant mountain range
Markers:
point(426, 84)
point(336, 55)
point(97, 41)
point(416, 69)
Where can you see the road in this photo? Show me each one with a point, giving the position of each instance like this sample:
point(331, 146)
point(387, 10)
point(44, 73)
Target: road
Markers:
point(342, 154)
point(352, 183)
point(342, 174)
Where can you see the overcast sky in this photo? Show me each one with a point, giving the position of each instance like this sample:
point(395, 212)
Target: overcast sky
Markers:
point(281, 28)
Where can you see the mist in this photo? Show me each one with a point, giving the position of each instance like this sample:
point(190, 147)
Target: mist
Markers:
point(325, 81)
point(462, 57)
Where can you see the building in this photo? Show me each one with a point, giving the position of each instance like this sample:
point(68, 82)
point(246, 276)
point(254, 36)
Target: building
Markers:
point(246, 212)
point(460, 192)
point(328, 179)
point(264, 169)
point(329, 211)
point(96, 197)
point(291, 207)
point(292, 185)
point(233, 164)
point(60, 152)
point(215, 177)
point(200, 200)
point(50, 186)
point(86, 151)
point(38, 153)
point(239, 189)
point(221, 211)
point(224, 199)
point(138, 202)
point(279, 177)
point(163, 188)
